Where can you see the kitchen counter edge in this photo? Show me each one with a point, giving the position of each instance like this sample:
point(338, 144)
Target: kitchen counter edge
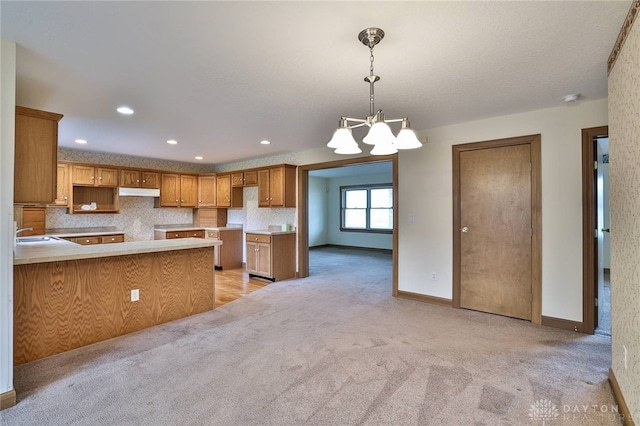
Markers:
point(41, 253)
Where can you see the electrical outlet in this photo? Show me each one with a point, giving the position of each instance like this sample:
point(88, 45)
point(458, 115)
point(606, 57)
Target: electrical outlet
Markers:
point(434, 276)
point(625, 356)
point(412, 218)
point(135, 295)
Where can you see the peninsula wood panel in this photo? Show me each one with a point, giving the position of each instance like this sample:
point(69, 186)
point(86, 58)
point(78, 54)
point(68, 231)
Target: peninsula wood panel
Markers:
point(60, 306)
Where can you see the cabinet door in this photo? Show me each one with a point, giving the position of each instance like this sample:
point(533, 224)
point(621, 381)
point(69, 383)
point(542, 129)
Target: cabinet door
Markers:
point(206, 191)
point(276, 187)
point(129, 178)
point(170, 190)
point(223, 186)
point(150, 180)
point(188, 191)
point(35, 156)
point(252, 257)
point(237, 179)
point(82, 175)
point(263, 188)
point(107, 177)
point(251, 178)
point(62, 186)
point(264, 259)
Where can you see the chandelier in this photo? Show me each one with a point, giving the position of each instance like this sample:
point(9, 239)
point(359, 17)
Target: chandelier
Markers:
point(380, 135)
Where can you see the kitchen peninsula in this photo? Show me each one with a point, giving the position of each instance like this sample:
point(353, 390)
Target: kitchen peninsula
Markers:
point(68, 295)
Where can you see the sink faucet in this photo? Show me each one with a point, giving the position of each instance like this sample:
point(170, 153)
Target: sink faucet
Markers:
point(23, 229)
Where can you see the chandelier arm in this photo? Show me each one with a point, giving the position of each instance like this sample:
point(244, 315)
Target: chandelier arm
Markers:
point(394, 120)
point(356, 120)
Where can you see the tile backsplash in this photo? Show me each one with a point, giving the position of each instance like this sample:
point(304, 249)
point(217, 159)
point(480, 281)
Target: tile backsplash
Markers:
point(136, 218)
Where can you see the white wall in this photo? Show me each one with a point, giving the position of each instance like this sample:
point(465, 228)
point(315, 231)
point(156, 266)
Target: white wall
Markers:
point(355, 239)
point(7, 127)
point(318, 209)
point(624, 156)
point(425, 190)
point(606, 236)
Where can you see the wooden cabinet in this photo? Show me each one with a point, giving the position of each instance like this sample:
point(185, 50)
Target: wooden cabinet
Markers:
point(86, 240)
point(277, 186)
point(245, 178)
point(171, 235)
point(229, 254)
point(35, 156)
point(271, 256)
point(63, 185)
point(139, 179)
point(30, 217)
point(178, 190)
point(210, 218)
point(105, 198)
point(228, 195)
point(88, 175)
point(206, 191)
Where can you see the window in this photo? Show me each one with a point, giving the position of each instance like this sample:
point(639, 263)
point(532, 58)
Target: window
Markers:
point(367, 208)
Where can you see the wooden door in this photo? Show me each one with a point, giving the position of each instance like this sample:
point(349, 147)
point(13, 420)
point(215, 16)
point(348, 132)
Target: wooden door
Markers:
point(188, 191)
point(263, 188)
point(495, 202)
point(250, 178)
point(223, 189)
point(150, 180)
point(276, 187)
point(62, 185)
point(206, 191)
point(129, 178)
point(264, 259)
point(82, 175)
point(237, 179)
point(170, 190)
point(252, 257)
point(107, 177)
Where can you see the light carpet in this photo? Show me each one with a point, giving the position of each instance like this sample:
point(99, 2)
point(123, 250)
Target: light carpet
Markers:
point(331, 349)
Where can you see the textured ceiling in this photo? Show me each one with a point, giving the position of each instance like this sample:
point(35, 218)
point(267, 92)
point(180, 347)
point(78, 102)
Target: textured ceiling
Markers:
point(221, 76)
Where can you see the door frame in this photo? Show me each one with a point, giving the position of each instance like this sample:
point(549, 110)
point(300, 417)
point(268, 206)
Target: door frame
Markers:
point(303, 209)
point(534, 141)
point(589, 243)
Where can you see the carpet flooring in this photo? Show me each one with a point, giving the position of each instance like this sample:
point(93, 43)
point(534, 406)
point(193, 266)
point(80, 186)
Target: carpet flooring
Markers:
point(331, 349)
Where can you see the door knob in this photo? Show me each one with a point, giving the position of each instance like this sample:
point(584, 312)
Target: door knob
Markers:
point(465, 229)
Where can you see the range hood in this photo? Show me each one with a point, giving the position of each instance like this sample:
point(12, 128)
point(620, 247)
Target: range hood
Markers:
point(138, 192)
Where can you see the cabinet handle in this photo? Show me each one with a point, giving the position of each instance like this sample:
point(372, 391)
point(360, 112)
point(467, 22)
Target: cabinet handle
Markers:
point(182, 201)
point(92, 178)
point(113, 239)
point(87, 241)
point(66, 198)
point(100, 178)
point(138, 180)
point(144, 181)
point(176, 201)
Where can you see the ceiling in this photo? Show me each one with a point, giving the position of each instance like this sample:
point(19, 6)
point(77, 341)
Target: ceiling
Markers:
point(219, 77)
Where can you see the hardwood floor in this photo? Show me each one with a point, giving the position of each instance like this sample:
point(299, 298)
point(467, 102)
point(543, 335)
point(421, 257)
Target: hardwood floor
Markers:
point(232, 284)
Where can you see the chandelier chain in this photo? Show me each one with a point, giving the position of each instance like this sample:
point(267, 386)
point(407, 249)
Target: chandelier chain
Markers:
point(371, 59)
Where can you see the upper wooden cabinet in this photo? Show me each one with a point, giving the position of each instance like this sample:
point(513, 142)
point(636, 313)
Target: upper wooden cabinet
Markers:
point(246, 178)
point(36, 156)
point(206, 191)
point(82, 174)
point(277, 186)
point(227, 195)
point(63, 185)
point(139, 179)
point(178, 190)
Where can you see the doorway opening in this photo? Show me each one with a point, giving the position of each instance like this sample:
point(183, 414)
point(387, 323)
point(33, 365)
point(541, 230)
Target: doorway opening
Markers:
point(596, 231)
point(313, 180)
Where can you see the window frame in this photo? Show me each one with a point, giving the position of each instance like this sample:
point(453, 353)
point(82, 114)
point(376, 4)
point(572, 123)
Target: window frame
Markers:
point(368, 188)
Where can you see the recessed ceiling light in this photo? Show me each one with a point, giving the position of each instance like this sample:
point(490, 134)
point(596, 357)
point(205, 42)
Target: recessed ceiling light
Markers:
point(199, 157)
point(81, 141)
point(265, 142)
point(124, 110)
point(172, 142)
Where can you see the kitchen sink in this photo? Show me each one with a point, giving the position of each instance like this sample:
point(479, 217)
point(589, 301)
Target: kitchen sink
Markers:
point(35, 239)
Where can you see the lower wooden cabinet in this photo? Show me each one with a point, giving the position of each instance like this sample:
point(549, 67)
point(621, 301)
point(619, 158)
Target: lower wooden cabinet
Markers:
point(96, 239)
point(271, 256)
point(170, 235)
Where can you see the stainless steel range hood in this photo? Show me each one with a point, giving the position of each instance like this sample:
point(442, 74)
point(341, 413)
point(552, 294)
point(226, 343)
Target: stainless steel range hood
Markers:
point(138, 192)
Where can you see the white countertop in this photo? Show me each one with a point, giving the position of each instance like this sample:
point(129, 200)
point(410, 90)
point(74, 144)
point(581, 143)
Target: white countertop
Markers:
point(188, 227)
point(53, 251)
point(269, 232)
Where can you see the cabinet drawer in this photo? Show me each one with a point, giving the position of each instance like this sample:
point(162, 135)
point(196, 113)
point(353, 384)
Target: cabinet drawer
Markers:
point(176, 234)
point(258, 238)
point(108, 239)
point(88, 240)
point(195, 234)
point(214, 235)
